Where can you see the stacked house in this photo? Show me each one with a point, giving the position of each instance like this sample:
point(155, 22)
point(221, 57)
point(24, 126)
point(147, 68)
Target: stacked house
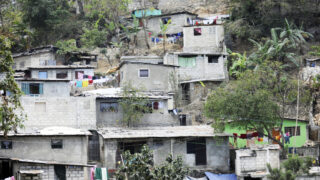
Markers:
point(71, 128)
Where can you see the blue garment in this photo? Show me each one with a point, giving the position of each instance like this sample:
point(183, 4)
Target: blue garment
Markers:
point(212, 176)
point(79, 83)
point(287, 139)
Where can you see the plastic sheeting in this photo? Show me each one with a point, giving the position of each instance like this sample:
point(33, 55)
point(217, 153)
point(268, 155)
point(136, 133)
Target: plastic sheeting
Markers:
point(213, 176)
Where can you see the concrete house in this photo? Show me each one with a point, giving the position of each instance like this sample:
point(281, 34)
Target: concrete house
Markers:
point(109, 112)
point(70, 72)
point(203, 60)
point(48, 56)
point(147, 73)
point(199, 146)
point(152, 23)
point(48, 154)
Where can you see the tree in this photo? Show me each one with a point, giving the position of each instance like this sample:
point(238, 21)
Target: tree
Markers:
point(11, 93)
point(163, 30)
point(290, 168)
point(172, 169)
point(257, 100)
point(141, 166)
point(133, 105)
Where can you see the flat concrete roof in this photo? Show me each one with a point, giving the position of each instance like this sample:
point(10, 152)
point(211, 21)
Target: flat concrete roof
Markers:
point(117, 93)
point(51, 131)
point(63, 67)
point(159, 132)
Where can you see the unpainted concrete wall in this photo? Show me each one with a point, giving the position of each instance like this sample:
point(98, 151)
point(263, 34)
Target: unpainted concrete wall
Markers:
point(160, 117)
point(202, 70)
point(35, 59)
point(39, 148)
point(52, 88)
point(75, 112)
point(52, 73)
point(72, 172)
point(217, 152)
point(210, 41)
point(176, 26)
point(159, 77)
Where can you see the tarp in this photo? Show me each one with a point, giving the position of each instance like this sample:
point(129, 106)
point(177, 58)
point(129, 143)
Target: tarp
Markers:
point(213, 176)
point(146, 13)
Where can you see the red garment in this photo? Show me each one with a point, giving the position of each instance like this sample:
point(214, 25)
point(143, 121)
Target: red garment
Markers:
point(90, 81)
point(255, 134)
point(243, 136)
point(235, 135)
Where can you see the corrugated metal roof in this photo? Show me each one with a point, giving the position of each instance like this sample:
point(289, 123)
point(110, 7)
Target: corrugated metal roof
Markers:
point(63, 67)
point(159, 132)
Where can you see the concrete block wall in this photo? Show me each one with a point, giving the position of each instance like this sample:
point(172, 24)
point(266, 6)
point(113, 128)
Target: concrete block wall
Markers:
point(160, 117)
point(211, 39)
point(75, 173)
point(48, 170)
point(252, 160)
point(75, 112)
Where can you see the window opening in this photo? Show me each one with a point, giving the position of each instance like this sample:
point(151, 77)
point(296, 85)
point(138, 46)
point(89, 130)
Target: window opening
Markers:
point(108, 107)
point(187, 61)
point(43, 75)
point(183, 120)
point(197, 31)
point(6, 144)
point(56, 144)
point(36, 88)
point(62, 75)
point(291, 130)
point(213, 59)
point(78, 74)
point(144, 73)
point(198, 147)
point(165, 20)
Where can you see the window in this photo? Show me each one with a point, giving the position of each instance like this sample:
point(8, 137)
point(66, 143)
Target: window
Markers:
point(43, 75)
point(198, 147)
point(166, 20)
point(291, 130)
point(213, 59)
point(187, 61)
point(6, 144)
point(108, 107)
point(21, 64)
point(62, 75)
point(197, 31)
point(79, 74)
point(144, 73)
point(32, 88)
point(56, 143)
point(155, 105)
point(94, 147)
point(183, 120)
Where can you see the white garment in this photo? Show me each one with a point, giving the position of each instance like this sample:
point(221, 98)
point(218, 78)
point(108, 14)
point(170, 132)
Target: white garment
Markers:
point(104, 173)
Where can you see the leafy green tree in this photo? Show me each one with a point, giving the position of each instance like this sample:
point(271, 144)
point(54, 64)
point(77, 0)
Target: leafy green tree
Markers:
point(136, 166)
point(315, 51)
point(163, 30)
point(141, 166)
point(133, 104)
point(290, 168)
point(256, 100)
point(10, 119)
point(172, 169)
point(237, 63)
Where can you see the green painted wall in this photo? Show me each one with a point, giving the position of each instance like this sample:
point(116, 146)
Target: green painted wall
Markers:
point(300, 140)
